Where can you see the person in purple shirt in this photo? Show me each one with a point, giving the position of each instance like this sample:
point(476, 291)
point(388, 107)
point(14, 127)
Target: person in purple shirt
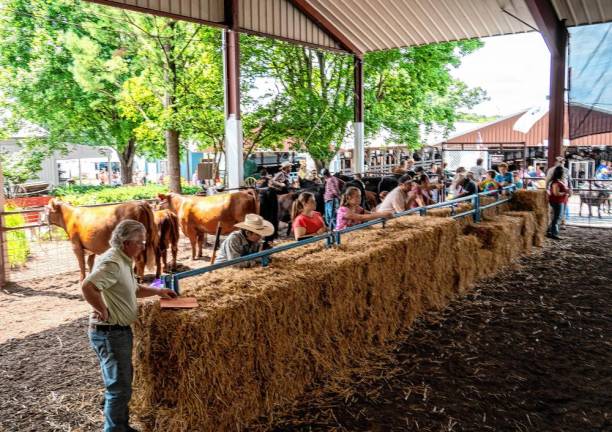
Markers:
point(333, 187)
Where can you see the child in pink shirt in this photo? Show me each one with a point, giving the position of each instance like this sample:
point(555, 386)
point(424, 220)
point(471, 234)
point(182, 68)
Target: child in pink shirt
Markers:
point(351, 213)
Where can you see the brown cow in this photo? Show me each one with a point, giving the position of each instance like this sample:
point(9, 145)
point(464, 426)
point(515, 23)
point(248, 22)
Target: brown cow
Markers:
point(90, 228)
point(199, 216)
point(168, 233)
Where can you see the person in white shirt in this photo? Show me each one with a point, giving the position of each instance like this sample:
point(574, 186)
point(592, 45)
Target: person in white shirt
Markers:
point(479, 171)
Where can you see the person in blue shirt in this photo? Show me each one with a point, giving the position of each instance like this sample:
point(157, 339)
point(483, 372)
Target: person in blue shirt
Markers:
point(504, 178)
point(517, 180)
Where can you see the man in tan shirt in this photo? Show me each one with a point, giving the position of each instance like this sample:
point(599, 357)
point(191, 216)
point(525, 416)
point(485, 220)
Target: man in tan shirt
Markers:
point(398, 200)
point(111, 290)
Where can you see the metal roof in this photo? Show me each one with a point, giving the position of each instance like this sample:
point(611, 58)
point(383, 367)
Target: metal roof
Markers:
point(278, 19)
point(371, 25)
point(581, 12)
point(502, 131)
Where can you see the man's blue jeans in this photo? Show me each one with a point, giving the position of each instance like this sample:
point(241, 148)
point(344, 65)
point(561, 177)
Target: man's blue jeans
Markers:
point(330, 212)
point(114, 350)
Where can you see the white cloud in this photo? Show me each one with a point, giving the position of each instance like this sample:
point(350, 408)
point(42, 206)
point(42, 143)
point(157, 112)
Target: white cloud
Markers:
point(513, 69)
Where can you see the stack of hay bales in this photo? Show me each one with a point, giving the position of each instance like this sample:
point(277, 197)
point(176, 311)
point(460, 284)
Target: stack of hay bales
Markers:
point(535, 202)
point(262, 335)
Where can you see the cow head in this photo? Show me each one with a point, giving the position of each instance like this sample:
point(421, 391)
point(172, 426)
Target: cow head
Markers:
point(53, 213)
point(170, 201)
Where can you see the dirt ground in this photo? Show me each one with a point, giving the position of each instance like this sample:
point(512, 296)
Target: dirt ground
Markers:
point(528, 350)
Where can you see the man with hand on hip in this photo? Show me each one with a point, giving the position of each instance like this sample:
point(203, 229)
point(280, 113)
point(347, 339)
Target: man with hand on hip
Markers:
point(111, 289)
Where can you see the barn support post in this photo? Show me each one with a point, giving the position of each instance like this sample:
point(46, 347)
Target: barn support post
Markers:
point(231, 78)
point(358, 150)
point(555, 36)
point(557, 101)
point(3, 255)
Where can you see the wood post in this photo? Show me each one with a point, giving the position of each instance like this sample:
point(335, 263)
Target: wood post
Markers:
point(231, 75)
point(358, 150)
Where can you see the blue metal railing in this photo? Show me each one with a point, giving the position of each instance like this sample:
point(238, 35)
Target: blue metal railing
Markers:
point(334, 237)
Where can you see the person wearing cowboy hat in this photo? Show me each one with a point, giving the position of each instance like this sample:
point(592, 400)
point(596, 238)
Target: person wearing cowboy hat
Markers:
point(245, 241)
point(281, 180)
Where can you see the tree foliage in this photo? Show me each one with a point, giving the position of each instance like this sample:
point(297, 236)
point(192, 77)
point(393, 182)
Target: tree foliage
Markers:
point(407, 92)
point(148, 85)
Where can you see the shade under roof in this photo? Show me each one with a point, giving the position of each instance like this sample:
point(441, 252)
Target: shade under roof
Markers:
point(373, 25)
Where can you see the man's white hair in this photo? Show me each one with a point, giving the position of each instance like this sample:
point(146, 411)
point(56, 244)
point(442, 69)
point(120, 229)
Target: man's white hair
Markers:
point(126, 230)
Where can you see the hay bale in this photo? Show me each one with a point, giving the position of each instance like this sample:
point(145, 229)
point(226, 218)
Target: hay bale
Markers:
point(529, 229)
point(536, 202)
point(262, 335)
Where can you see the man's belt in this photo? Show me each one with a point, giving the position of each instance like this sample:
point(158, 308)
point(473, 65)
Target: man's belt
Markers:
point(107, 328)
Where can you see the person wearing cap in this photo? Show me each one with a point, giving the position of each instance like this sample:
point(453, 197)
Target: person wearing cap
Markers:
point(281, 180)
point(245, 241)
point(399, 199)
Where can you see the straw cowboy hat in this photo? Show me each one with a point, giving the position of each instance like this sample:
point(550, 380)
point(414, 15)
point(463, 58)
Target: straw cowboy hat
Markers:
point(256, 224)
point(285, 164)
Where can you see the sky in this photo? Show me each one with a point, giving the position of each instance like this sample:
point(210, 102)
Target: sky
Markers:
point(513, 69)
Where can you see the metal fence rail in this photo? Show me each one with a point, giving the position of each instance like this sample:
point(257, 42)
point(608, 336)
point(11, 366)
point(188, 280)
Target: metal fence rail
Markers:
point(335, 237)
point(34, 248)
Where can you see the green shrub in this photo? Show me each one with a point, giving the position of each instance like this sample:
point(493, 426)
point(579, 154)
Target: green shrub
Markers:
point(18, 247)
point(54, 234)
point(88, 195)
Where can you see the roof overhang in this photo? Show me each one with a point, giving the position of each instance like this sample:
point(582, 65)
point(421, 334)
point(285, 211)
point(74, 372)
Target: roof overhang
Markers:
point(360, 26)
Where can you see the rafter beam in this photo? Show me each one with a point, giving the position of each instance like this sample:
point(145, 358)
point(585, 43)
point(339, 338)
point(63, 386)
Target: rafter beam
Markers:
point(555, 35)
point(327, 26)
point(551, 28)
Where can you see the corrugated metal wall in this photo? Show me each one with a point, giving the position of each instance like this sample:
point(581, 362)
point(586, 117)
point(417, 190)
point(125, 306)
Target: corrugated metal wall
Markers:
point(281, 19)
point(200, 10)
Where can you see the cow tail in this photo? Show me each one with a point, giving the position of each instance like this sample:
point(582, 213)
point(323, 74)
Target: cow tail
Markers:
point(152, 237)
point(174, 228)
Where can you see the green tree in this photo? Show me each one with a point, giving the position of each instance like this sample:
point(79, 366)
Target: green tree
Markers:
point(406, 90)
point(22, 165)
point(63, 68)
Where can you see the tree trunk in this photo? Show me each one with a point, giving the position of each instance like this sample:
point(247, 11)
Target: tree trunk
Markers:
point(126, 159)
point(172, 153)
point(320, 164)
point(172, 135)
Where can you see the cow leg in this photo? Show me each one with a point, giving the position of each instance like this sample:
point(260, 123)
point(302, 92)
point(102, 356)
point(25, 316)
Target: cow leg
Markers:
point(139, 266)
point(174, 253)
point(80, 256)
point(90, 262)
point(289, 226)
point(193, 239)
point(201, 243)
point(164, 258)
point(158, 268)
point(599, 205)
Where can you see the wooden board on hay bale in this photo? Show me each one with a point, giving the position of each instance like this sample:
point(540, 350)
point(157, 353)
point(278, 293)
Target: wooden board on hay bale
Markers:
point(262, 335)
